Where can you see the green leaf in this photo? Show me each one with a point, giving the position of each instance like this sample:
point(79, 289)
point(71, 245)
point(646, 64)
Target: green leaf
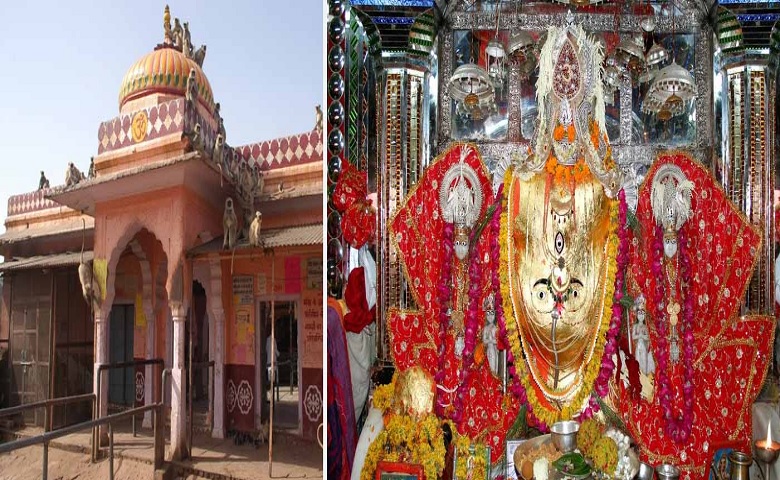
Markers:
point(612, 418)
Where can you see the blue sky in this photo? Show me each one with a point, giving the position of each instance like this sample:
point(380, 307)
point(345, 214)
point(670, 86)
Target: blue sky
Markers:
point(61, 64)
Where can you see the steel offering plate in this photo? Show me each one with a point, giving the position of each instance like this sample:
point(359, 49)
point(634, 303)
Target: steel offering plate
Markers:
point(535, 442)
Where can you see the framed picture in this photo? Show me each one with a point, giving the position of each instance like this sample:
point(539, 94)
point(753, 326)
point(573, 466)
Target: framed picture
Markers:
point(511, 446)
point(471, 455)
point(399, 471)
point(719, 467)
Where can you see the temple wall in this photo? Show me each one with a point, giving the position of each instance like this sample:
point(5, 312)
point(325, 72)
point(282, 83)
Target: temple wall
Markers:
point(293, 275)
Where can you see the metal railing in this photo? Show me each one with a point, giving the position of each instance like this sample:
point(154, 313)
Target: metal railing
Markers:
point(114, 366)
point(47, 405)
point(47, 437)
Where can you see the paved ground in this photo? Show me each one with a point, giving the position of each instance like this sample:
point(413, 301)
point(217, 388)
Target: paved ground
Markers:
point(294, 458)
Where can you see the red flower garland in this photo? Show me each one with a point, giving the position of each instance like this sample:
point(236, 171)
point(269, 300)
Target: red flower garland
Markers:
point(471, 327)
point(516, 386)
point(678, 428)
point(601, 386)
point(444, 290)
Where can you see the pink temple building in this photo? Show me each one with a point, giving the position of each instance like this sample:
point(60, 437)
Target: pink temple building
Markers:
point(151, 220)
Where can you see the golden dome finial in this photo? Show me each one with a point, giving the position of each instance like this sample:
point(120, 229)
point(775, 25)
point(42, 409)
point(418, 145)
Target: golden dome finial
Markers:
point(167, 25)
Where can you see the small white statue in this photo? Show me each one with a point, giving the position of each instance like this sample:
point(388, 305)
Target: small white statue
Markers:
point(641, 337)
point(489, 334)
point(777, 278)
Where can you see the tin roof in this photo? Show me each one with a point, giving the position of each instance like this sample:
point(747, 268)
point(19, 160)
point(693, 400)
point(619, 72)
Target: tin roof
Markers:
point(45, 261)
point(14, 236)
point(278, 237)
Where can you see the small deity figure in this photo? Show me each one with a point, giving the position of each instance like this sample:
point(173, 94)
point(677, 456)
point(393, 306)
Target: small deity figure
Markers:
point(489, 334)
point(91, 171)
point(777, 278)
point(671, 203)
point(641, 338)
point(460, 200)
point(43, 182)
point(470, 463)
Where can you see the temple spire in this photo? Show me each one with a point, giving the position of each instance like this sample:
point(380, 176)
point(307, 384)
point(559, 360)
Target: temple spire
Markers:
point(167, 26)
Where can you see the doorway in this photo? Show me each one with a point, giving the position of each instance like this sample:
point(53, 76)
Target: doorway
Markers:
point(197, 351)
point(285, 394)
point(121, 385)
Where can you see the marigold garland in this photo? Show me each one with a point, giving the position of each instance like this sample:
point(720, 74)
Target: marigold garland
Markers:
point(518, 370)
point(383, 395)
point(405, 439)
point(478, 468)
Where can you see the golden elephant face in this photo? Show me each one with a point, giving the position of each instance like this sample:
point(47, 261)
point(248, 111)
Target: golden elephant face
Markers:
point(558, 242)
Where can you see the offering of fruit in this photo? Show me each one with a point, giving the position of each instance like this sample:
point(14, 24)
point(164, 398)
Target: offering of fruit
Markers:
point(590, 432)
point(605, 455)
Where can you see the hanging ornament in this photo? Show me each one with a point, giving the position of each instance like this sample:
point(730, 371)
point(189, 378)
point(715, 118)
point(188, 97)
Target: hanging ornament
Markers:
point(632, 54)
point(648, 23)
point(496, 58)
point(656, 55)
point(473, 90)
point(521, 50)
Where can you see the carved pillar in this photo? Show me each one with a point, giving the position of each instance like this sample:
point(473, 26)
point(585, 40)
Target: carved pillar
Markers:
point(217, 315)
point(402, 103)
point(101, 358)
point(178, 384)
point(151, 370)
point(747, 166)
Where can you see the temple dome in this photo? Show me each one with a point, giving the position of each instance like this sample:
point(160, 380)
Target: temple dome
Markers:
point(165, 70)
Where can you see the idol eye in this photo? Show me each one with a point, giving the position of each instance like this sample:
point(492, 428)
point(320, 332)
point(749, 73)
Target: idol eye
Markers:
point(559, 242)
point(576, 299)
point(541, 299)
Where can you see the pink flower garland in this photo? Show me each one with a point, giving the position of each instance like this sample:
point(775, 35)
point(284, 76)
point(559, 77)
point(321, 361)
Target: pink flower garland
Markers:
point(444, 291)
point(470, 337)
point(517, 388)
point(678, 428)
point(471, 323)
point(601, 386)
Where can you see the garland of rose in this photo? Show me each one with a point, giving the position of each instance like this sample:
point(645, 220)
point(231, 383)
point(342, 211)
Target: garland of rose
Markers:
point(516, 386)
point(601, 386)
point(677, 427)
point(603, 369)
point(471, 326)
point(444, 290)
